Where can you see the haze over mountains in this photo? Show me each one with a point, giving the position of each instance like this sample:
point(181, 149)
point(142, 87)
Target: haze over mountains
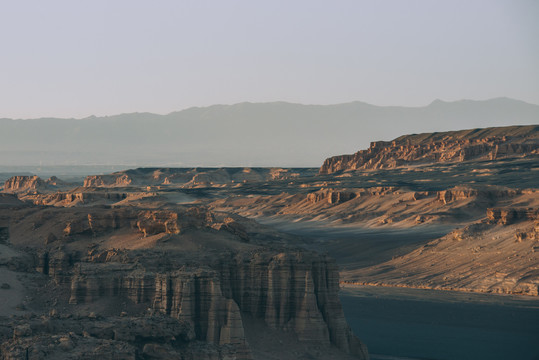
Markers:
point(245, 134)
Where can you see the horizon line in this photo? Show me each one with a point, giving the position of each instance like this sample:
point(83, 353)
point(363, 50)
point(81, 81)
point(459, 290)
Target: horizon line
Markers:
point(437, 100)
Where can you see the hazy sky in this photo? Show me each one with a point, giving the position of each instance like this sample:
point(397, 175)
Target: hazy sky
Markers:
point(78, 58)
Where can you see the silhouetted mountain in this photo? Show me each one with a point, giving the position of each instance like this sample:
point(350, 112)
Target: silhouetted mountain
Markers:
point(245, 134)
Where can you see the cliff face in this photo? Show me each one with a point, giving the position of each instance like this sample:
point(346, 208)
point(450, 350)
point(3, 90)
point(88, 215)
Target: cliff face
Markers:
point(204, 274)
point(17, 184)
point(294, 292)
point(455, 146)
point(20, 183)
point(191, 296)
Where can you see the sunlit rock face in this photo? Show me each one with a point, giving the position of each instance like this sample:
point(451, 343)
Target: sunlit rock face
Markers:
point(507, 216)
point(454, 146)
point(20, 183)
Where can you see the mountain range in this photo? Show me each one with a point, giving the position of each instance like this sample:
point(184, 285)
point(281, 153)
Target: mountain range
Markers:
point(244, 134)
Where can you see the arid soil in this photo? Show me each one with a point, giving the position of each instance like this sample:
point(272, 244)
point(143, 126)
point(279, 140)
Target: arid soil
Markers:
point(215, 263)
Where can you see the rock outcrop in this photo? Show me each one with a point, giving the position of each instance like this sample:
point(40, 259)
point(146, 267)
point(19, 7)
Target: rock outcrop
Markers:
point(148, 222)
point(453, 146)
point(295, 292)
point(507, 216)
point(191, 296)
point(78, 198)
point(107, 180)
point(21, 183)
point(463, 193)
point(194, 177)
point(53, 180)
point(330, 196)
point(96, 337)
point(292, 291)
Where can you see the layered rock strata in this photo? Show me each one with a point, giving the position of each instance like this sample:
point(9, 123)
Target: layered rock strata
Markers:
point(152, 222)
point(20, 183)
point(454, 146)
point(295, 292)
point(330, 196)
point(507, 216)
point(204, 273)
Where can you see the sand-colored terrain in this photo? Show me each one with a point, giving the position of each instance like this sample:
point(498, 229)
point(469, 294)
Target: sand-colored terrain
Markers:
point(138, 280)
point(247, 263)
point(480, 257)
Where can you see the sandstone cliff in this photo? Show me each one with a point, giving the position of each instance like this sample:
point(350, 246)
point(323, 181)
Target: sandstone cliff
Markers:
point(20, 183)
point(453, 146)
point(293, 292)
point(195, 274)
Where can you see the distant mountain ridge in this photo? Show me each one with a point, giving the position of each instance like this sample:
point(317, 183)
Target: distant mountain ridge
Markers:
point(441, 147)
point(246, 134)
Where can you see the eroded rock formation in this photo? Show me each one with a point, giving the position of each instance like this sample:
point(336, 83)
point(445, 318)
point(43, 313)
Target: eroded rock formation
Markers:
point(331, 196)
point(200, 275)
point(194, 177)
point(507, 216)
point(78, 198)
point(292, 291)
point(454, 146)
point(107, 180)
point(463, 193)
point(20, 183)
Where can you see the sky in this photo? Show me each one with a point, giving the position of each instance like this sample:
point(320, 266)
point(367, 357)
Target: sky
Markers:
point(75, 59)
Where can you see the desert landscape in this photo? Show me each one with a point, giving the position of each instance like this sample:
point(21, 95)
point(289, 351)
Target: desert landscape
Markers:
point(218, 263)
point(269, 180)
